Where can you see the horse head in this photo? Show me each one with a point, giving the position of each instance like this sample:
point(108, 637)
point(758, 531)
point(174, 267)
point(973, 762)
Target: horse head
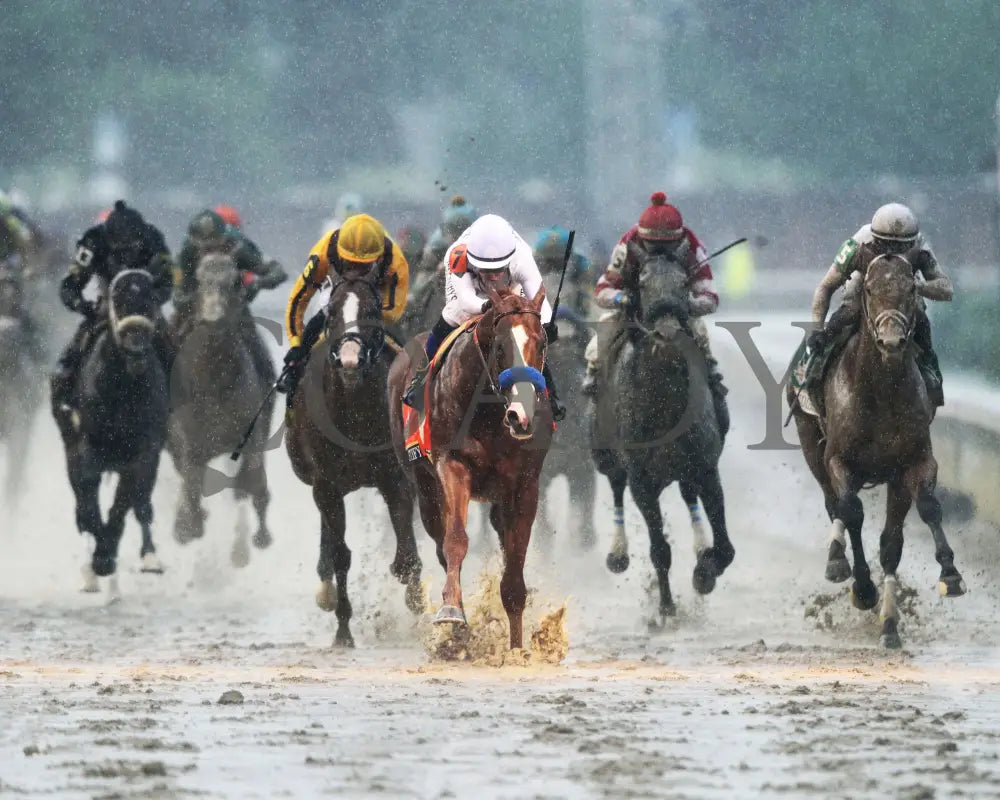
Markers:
point(890, 304)
point(132, 317)
point(661, 284)
point(220, 294)
point(354, 324)
point(511, 333)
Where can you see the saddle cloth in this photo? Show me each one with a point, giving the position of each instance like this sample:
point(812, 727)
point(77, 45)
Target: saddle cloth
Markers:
point(417, 424)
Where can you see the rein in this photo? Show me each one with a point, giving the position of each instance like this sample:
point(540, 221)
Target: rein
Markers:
point(508, 377)
point(373, 353)
point(907, 323)
point(121, 324)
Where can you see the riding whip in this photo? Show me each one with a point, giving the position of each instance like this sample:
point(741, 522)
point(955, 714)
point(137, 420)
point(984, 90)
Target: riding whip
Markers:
point(720, 251)
point(562, 277)
point(246, 436)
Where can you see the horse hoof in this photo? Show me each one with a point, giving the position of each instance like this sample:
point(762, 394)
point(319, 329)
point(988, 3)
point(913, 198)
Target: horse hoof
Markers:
point(103, 566)
point(703, 579)
point(890, 641)
point(838, 570)
point(343, 638)
point(450, 615)
point(415, 596)
point(151, 563)
point(617, 563)
point(262, 539)
point(240, 554)
point(952, 586)
point(326, 597)
point(89, 585)
point(864, 600)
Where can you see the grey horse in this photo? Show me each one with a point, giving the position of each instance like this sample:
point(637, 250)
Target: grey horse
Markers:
point(216, 388)
point(654, 424)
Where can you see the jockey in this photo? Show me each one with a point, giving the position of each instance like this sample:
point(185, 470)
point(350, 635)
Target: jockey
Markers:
point(661, 230)
point(458, 216)
point(123, 241)
point(210, 232)
point(412, 240)
point(348, 205)
point(894, 231)
point(549, 252)
point(15, 236)
point(489, 252)
point(361, 242)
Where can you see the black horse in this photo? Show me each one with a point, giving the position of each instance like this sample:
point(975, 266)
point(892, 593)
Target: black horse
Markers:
point(123, 401)
point(655, 424)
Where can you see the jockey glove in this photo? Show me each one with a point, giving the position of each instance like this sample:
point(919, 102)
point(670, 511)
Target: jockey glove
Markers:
point(551, 331)
point(295, 355)
point(621, 300)
point(817, 340)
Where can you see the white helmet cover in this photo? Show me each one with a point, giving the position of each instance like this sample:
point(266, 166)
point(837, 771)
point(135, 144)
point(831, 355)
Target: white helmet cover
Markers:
point(894, 222)
point(491, 244)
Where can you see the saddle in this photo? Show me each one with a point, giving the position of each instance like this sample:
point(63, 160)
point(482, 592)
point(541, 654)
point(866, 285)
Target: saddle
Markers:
point(416, 424)
point(809, 372)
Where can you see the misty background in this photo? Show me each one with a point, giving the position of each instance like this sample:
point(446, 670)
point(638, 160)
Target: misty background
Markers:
point(757, 119)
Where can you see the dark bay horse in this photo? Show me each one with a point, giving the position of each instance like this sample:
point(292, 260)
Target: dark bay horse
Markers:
point(490, 431)
point(123, 402)
point(216, 388)
point(20, 383)
point(655, 424)
point(338, 441)
point(877, 431)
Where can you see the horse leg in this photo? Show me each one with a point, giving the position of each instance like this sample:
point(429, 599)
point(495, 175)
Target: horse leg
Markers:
point(838, 569)
point(456, 484)
point(406, 564)
point(84, 478)
point(849, 509)
point(583, 487)
point(252, 480)
point(712, 561)
point(689, 492)
point(890, 550)
point(518, 514)
point(429, 502)
point(142, 506)
point(189, 522)
point(921, 482)
point(647, 498)
point(334, 559)
point(617, 559)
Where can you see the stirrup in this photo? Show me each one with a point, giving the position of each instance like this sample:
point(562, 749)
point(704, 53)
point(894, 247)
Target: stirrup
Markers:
point(558, 408)
point(413, 392)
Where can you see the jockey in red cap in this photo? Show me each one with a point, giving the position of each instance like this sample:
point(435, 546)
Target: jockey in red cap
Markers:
point(661, 230)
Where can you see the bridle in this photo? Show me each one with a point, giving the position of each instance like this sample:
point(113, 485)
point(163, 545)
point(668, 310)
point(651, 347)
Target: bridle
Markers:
point(907, 323)
point(370, 352)
point(516, 374)
point(118, 324)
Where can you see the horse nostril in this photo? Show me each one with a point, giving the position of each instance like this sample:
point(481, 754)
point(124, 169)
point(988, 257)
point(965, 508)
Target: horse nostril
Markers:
point(512, 419)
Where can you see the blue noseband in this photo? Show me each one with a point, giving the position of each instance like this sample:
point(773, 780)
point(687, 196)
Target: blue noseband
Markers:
point(509, 377)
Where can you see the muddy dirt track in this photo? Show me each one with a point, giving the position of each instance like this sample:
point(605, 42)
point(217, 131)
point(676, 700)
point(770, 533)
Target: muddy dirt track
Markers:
point(773, 686)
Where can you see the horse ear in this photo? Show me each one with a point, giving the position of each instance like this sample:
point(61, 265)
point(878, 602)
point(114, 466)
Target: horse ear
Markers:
point(539, 299)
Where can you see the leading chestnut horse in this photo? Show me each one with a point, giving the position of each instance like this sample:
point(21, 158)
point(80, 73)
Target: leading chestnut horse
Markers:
point(490, 429)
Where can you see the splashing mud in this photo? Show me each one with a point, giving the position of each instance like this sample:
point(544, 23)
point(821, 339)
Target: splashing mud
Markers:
point(485, 641)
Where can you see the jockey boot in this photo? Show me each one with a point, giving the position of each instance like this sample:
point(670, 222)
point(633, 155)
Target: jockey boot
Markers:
point(719, 392)
point(558, 407)
point(927, 360)
point(589, 386)
point(259, 354)
point(289, 378)
point(414, 394)
point(63, 383)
